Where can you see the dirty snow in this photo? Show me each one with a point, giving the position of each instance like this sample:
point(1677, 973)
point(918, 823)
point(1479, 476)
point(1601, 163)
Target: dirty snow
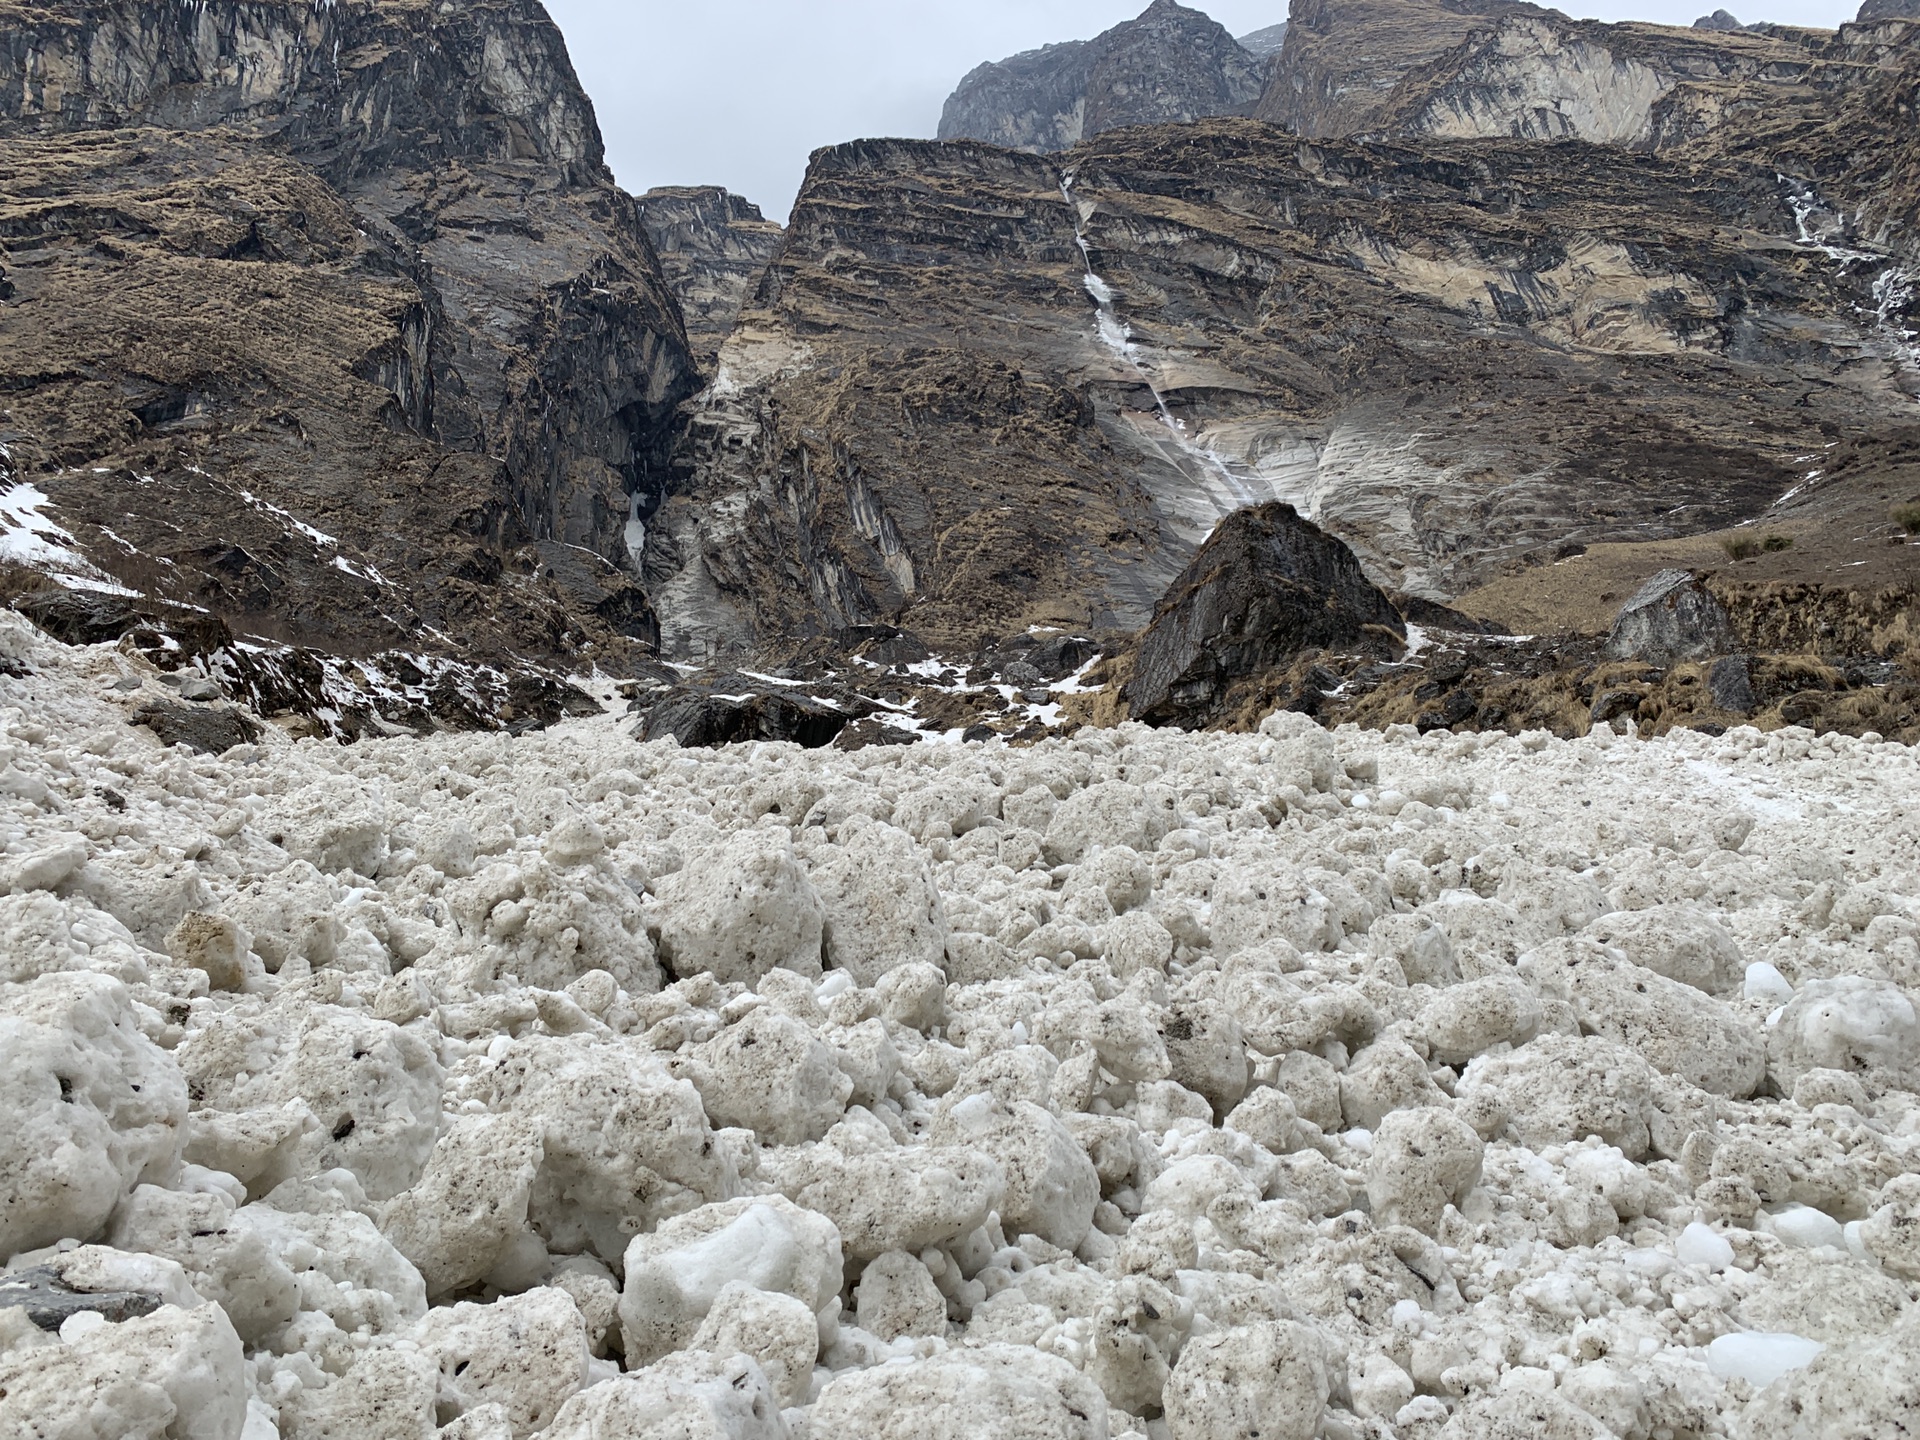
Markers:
point(1132, 1084)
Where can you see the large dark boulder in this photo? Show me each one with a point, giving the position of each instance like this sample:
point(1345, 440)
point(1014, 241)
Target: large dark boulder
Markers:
point(1672, 617)
point(209, 731)
point(703, 719)
point(50, 1301)
point(1266, 586)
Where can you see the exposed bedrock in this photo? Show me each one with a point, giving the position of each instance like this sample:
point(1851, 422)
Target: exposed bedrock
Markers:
point(940, 411)
point(320, 314)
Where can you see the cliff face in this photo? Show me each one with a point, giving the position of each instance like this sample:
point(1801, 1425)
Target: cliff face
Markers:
point(713, 248)
point(1170, 64)
point(1475, 69)
point(331, 318)
point(980, 390)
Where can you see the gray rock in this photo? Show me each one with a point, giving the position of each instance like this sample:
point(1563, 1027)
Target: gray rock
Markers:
point(211, 732)
point(1169, 65)
point(49, 1301)
point(1672, 617)
point(1730, 685)
point(1266, 586)
point(700, 719)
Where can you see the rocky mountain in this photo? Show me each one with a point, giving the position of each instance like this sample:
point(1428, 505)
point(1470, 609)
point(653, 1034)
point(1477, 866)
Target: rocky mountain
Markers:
point(713, 248)
point(981, 390)
point(1170, 64)
point(330, 319)
point(329, 326)
point(1265, 42)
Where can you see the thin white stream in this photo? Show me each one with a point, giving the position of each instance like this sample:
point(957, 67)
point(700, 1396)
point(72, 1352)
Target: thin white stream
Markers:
point(1818, 228)
point(1117, 336)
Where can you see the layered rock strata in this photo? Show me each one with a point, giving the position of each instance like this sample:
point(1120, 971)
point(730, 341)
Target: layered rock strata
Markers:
point(980, 390)
point(330, 319)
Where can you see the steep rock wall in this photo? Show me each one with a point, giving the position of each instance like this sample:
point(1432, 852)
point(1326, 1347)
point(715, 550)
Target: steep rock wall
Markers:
point(1481, 69)
point(713, 248)
point(516, 339)
point(979, 390)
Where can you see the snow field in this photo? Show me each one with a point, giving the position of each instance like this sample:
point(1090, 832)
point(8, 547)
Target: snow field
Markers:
point(1139, 1083)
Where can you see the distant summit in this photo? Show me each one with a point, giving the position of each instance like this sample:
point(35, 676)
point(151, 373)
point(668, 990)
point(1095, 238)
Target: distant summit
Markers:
point(1266, 42)
point(1171, 64)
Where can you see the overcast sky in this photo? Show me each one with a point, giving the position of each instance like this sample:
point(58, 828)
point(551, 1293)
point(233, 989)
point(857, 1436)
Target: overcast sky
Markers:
point(740, 92)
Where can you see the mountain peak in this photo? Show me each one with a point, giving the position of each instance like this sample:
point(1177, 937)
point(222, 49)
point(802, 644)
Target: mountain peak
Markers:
point(1170, 63)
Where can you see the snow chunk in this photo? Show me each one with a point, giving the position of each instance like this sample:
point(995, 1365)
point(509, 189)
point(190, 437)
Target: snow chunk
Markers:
point(1008, 1392)
point(675, 1275)
point(89, 1105)
point(1760, 1359)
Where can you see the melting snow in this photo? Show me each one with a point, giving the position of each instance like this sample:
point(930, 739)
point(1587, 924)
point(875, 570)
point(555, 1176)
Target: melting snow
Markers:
point(29, 538)
point(319, 537)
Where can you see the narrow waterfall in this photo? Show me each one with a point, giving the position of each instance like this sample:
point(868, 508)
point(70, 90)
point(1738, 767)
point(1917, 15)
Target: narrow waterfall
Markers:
point(1117, 336)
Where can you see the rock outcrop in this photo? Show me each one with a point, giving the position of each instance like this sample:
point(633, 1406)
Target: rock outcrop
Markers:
point(941, 412)
point(326, 318)
point(1482, 68)
point(714, 246)
point(1170, 64)
point(1674, 616)
point(1264, 588)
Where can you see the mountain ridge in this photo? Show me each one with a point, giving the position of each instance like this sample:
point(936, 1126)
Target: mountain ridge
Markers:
point(1169, 64)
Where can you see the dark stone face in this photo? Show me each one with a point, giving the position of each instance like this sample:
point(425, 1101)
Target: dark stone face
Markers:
point(50, 1302)
point(707, 721)
point(381, 318)
point(211, 732)
point(1730, 684)
point(1266, 587)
